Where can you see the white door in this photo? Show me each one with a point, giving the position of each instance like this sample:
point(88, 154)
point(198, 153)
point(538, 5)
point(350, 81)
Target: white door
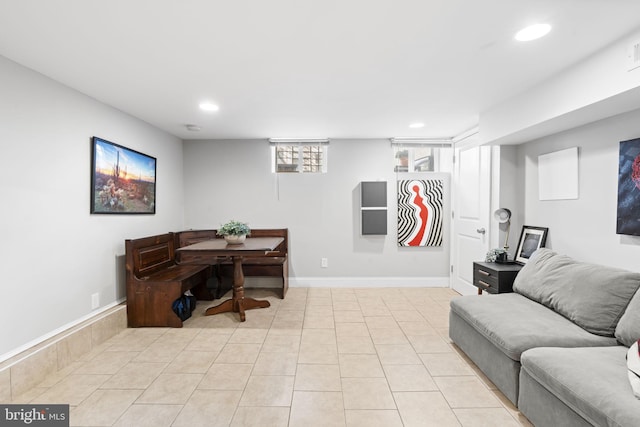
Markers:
point(471, 209)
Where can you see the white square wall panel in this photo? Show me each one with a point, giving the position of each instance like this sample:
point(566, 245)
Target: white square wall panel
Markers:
point(558, 175)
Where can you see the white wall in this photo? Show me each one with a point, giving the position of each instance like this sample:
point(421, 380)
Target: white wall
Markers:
point(600, 86)
point(54, 255)
point(584, 229)
point(506, 193)
point(232, 180)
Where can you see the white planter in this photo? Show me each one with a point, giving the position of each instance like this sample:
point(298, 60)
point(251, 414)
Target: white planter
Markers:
point(235, 240)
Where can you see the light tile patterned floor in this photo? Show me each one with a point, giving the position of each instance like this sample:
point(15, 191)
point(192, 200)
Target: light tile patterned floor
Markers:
point(321, 357)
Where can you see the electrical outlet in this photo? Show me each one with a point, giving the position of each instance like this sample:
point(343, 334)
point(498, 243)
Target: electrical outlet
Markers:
point(324, 263)
point(95, 301)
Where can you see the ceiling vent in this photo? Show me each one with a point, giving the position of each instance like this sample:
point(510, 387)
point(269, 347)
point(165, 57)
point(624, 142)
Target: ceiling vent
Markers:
point(634, 55)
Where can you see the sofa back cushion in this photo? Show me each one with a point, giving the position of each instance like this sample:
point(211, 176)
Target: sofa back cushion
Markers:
point(628, 329)
point(592, 296)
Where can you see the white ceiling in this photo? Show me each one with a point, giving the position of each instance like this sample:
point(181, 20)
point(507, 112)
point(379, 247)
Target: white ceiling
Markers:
point(306, 68)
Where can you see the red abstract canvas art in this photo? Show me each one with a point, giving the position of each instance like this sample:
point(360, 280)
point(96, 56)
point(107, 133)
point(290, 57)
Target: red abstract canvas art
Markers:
point(628, 215)
point(420, 206)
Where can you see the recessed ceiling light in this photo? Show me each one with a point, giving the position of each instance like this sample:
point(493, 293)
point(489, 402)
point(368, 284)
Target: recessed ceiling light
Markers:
point(533, 32)
point(208, 106)
point(416, 125)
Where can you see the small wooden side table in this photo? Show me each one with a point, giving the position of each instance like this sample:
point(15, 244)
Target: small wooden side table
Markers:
point(493, 277)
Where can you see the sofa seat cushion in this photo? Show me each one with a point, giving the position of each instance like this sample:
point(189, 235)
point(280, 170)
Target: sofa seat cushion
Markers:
point(590, 295)
point(514, 323)
point(591, 381)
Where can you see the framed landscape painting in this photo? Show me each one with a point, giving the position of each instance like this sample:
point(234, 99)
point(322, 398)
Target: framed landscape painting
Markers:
point(123, 181)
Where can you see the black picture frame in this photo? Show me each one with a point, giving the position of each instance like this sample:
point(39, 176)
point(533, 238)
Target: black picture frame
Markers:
point(123, 181)
point(531, 239)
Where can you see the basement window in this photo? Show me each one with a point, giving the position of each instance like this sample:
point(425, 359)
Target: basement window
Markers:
point(426, 157)
point(299, 156)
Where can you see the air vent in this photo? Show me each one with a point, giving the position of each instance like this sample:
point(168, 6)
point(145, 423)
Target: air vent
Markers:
point(634, 55)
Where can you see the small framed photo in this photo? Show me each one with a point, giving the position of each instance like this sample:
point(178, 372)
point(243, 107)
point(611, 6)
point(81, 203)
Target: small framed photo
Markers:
point(531, 239)
point(123, 181)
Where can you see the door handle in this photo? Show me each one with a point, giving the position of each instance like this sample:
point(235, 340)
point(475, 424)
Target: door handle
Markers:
point(481, 230)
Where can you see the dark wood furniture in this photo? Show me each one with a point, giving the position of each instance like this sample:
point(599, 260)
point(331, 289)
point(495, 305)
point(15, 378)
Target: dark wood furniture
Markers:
point(494, 278)
point(211, 250)
point(155, 281)
point(272, 264)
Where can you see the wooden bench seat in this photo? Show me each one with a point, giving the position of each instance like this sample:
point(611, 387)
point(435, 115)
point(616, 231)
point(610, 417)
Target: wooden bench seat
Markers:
point(275, 264)
point(155, 281)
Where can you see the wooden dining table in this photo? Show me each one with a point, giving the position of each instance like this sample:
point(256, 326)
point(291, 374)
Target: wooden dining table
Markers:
point(210, 251)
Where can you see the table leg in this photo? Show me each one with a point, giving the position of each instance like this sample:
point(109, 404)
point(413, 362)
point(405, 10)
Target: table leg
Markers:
point(238, 287)
point(220, 308)
point(238, 303)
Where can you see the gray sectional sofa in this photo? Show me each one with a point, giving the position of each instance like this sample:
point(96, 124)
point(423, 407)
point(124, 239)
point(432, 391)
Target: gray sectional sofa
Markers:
point(556, 347)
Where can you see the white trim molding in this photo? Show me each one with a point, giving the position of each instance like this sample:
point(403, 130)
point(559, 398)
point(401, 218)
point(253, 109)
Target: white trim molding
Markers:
point(59, 334)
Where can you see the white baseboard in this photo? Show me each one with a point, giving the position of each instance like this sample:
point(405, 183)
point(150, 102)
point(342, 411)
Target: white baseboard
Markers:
point(28, 367)
point(369, 282)
point(59, 333)
point(465, 289)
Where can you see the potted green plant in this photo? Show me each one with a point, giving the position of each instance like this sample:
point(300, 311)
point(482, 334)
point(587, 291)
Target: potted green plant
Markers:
point(234, 232)
point(497, 255)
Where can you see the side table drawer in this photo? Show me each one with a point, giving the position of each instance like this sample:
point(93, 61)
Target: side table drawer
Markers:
point(485, 279)
point(494, 278)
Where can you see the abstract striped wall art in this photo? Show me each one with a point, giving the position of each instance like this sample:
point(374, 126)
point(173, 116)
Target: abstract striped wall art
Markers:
point(420, 210)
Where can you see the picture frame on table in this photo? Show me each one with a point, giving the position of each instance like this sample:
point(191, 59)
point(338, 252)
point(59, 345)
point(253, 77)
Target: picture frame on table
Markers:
point(531, 239)
point(123, 181)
